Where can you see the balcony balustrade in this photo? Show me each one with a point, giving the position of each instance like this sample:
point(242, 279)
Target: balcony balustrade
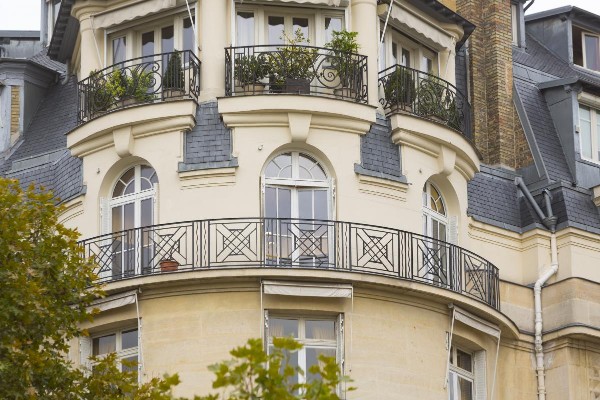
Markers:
point(149, 79)
point(293, 243)
point(295, 69)
point(403, 89)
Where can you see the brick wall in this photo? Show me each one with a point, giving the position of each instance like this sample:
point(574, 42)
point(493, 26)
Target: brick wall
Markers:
point(15, 113)
point(498, 134)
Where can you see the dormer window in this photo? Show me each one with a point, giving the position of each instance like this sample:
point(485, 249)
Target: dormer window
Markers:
point(586, 49)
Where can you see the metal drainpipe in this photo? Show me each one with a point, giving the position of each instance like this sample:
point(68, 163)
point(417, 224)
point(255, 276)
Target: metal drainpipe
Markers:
point(549, 221)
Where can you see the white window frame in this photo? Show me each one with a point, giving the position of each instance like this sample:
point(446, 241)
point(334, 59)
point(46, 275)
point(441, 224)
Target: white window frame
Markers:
point(514, 22)
point(594, 132)
point(337, 344)
point(121, 354)
point(430, 214)
point(456, 372)
point(583, 50)
point(417, 52)
point(316, 21)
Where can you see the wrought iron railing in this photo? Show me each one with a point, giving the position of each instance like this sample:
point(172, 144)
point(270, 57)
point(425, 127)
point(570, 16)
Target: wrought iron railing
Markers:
point(415, 92)
point(293, 243)
point(295, 69)
point(158, 77)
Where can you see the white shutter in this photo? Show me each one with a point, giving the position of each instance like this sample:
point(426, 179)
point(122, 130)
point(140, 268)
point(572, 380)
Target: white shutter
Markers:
point(453, 230)
point(155, 205)
point(480, 375)
point(340, 350)
point(85, 351)
point(105, 216)
point(266, 339)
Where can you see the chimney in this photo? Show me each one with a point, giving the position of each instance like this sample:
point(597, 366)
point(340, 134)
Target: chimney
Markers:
point(490, 73)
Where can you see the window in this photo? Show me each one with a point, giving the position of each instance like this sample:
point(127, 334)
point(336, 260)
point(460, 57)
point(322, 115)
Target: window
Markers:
point(435, 221)
point(318, 335)
point(131, 206)
point(586, 48)
point(148, 39)
point(316, 25)
point(399, 49)
point(461, 375)
point(589, 133)
point(297, 204)
point(124, 343)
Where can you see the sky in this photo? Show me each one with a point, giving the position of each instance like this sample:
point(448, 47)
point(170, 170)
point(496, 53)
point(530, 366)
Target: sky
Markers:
point(25, 14)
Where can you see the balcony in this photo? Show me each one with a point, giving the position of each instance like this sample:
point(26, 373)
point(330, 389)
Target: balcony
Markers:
point(407, 90)
point(150, 79)
point(295, 69)
point(293, 244)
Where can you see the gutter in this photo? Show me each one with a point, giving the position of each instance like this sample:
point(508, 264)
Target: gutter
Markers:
point(549, 220)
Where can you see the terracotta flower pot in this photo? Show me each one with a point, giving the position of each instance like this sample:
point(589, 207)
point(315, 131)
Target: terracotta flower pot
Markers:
point(168, 265)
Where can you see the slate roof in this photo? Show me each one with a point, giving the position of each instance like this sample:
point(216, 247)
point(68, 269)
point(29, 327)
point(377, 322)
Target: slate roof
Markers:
point(42, 59)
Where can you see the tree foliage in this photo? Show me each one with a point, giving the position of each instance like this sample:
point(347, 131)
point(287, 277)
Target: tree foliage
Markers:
point(253, 375)
point(46, 287)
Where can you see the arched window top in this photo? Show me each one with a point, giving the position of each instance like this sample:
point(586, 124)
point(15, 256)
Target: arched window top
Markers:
point(294, 165)
point(135, 179)
point(433, 200)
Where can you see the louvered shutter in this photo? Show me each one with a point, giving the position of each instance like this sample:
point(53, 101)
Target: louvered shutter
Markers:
point(266, 337)
point(340, 349)
point(480, 376)
point(85, 351)
point(453, 230)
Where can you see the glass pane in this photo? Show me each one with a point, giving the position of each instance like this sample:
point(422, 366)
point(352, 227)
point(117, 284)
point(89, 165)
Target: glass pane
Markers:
point(275, 30)
point(188, 35)
point(312, 358)
point(132, 364)
point(290, 359)
point(382, 64)
point(464, 360)
point(310, 169)
point(279, 327)
point(147, 212)
point(119, 49)
point(331, 25)
point(117, 218)
point(318, 329)
point(129, 339)
point(104, 344)
point(592, 52)
point(320, 205)
point(305, 204)
point(585, 133)
point(427, 65)
point(284, 203)
point(128, 216)
point(465, 389)
point(302, 24)
point(149, 173)
point(394, 54)
point(270, 202)
point(148, 45)
point(280, 167)
point(167, 41)
point(126, 178)
point(245, 29)
point(405, 58)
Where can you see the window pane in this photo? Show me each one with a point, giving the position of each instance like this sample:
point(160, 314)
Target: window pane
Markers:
point(104, 344)
point(117, 220)
point(302, 24)
point(276, 27)
point(427, 65)
point(464, 360)
point(279, 327)
point(167, 41)
point(318, 329)
point(405, 58)
point(147, 212)
point(332, 24)
point(280, 167)
point(270, 202)
point(585, 133)
point(310, 169)
point(312, 358)
point(290, 359)
point(465, 389)
point(245, 29)
point(305, 204)
point(188, 35)
point(592, 52)
point(129, 216)
point(382, 63)
point(320, 206)
point(149, 173)
point(147, 45)
point(284, 203)
point(131, 364)
point(129, 339)
point(394, 54)
point(119, 47)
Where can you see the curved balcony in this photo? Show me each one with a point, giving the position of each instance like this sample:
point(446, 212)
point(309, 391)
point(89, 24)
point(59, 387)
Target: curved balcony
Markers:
point(294, 244)
point(295, 69)
point(403, 89)
point(149, 79)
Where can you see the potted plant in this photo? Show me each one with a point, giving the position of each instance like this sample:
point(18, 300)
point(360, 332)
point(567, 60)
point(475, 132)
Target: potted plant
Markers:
point(292, 66)
point(98, 97)
point(434, 99)
point(250, 70)
point(173, 79)
point(168, 264)
point(399, 89)
point(343, 48)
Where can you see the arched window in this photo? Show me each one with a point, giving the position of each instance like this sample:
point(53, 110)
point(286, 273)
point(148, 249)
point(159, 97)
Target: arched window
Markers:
point(297, 209)
point(435, 219)
point(131, 206)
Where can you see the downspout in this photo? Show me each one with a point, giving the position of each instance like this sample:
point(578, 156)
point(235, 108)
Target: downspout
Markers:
point(65, 79)
point(549, 221)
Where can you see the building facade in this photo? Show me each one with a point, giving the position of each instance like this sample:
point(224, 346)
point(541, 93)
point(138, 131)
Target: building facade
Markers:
point(425, 208)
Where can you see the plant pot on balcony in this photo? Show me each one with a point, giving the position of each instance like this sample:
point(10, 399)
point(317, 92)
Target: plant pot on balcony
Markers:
point(254, 88)
point(173, 93)
point(345, 93)
point(168, 265)
point(297, 86)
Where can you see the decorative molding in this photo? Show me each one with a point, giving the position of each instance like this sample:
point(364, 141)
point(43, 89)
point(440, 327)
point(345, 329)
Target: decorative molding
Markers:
point(207, 178)
point(382, 187)
point(71, 209)
point(123, 139)
point(596, 195)
point(299, 126)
